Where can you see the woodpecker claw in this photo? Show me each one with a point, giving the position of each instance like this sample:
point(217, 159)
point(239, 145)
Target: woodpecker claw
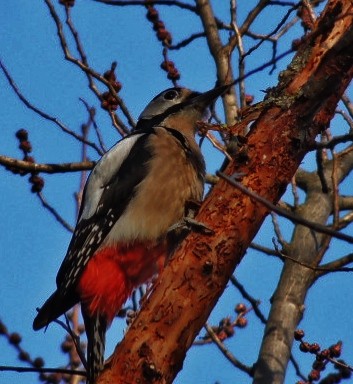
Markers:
point(188, 224)
point(197, 226)
point(237, 176)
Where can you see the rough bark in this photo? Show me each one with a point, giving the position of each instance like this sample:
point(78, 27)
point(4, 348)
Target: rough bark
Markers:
point(288, 300)
point(293, 114)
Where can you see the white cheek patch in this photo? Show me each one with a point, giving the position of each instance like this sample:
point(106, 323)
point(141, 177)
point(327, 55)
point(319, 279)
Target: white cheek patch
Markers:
point(107, 167)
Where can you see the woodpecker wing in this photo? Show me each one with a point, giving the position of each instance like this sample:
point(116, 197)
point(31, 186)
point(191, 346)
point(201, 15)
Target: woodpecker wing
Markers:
point(107, 194)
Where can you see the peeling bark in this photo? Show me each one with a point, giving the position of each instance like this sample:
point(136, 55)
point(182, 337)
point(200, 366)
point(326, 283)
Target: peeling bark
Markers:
point(292, 115)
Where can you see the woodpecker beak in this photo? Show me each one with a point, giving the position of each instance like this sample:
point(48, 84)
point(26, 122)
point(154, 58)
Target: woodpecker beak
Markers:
point(203, 100)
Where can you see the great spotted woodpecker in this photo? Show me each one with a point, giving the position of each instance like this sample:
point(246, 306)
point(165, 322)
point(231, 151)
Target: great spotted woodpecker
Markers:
point(134, 195)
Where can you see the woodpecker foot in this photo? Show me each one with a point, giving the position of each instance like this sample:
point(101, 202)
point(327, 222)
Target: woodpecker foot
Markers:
point(187, 224)
point(237, 176)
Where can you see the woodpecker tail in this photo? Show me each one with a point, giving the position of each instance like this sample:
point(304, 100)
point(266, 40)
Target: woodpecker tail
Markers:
point(96, 327)
point(54, 307)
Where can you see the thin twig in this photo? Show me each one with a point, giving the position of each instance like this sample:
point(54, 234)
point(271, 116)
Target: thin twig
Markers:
point(10, 162)
point(42, 370)
point(254, 303)
point(238, 364)
point(92, 112)
point(55, 213)
point(41, 113)
point(175, 3)
point(88, 70)
point(290, 216)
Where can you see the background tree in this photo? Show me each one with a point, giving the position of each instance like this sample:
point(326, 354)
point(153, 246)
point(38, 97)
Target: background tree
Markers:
point(243, 42)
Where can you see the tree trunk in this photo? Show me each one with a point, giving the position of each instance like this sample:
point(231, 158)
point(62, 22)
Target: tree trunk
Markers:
point(293, 114)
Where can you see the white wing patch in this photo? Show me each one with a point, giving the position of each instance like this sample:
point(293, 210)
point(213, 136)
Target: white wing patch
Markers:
point(103, 172)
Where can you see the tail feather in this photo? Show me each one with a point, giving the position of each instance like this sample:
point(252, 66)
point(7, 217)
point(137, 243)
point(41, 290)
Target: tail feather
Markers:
point(54, 307)
point(96, 327)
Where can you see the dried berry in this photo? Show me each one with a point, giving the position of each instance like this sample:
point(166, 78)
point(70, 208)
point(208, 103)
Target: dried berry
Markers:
point(3, 329)
point(314, 348)
point(240, 308)
point(25, 146)
point(242, 322)
point(304, 347)
point(158, 25)
point(37, 183)
point(38, 362)
point(22, 134)
point(152, 14)
point(66, 346)
point(24, 356)
point(15, 338)
point(323, 355)
point(335, 350)
point(298, 334)
point(314, 375)
point(163, 34)
point(174, 74)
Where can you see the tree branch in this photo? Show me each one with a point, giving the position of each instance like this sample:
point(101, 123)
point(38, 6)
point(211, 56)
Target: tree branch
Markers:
point(186, 291)
point(10, 162)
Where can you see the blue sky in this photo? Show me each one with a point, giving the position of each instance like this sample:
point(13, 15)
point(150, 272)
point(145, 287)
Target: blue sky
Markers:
point(32, 243)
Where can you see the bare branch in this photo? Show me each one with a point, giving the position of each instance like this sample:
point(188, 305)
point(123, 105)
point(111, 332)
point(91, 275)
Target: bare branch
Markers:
point(55, 213)
point(43, 114)
point(10, 162)
point(254, 303)
point(290, 216)
point(175, 3)
point(88, 70)
point(238, 364)
point(42, 370)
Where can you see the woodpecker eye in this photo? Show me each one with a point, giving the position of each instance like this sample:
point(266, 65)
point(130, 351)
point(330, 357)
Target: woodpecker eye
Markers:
point(171, 95)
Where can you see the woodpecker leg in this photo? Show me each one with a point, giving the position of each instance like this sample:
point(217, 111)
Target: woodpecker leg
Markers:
point(237, 176)
point(188, 224)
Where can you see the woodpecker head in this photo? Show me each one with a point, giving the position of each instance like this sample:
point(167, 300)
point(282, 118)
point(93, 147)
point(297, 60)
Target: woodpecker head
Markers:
point(178, 106)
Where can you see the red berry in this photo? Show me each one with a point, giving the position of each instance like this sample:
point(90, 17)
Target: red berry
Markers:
point(22, 134)
point(162, 34)
point(240, 308)
point(335, 350)
point(15, 338)
point(3, 329)
point(304, 346)
point(242, 322)
point(38, 362)
point(25, 146)
point(173, 74)
point(23, 356)
point(66, 346)
point(314, 348)
point(222, 335)
point(323, 355)
point(117, 86)
point(298, 334)
point(158, 25)
point(314, 375)
point(152, 14)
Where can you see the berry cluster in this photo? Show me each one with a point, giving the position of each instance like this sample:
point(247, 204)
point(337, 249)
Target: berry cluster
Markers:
point(323, 357)
point(26, 147)
point(109, 101)
point(165, 37)
point(169, 67)
point(15, 340)
point(225, 328)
